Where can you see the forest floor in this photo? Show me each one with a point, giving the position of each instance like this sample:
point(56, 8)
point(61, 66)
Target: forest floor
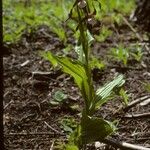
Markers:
point(30, 122)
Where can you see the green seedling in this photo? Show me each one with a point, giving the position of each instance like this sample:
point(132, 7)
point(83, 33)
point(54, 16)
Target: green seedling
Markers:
point(146, 86)
point(68, 124)
point(58, 98)
point(90, 128)
point(137, 53)
point(113, 9)
point(121, 54)
point(124, 6)
point(37, 13)
point(96, 63)
point(124, 96)
point(105, 33)
point(32, 16)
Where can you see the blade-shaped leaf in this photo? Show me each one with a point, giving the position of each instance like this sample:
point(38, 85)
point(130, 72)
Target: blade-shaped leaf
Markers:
point(76, 70)
point(106, 90)
point(73, 68)
point(124, 96)
point(95, 129)
point(50, 57)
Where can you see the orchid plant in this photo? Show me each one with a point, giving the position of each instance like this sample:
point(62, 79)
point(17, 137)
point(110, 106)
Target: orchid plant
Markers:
point(90, 128)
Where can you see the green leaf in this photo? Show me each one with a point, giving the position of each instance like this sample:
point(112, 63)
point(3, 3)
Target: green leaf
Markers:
point(146, 86)
point(105, 91)
point(105, 33)
point(68, 124)
point(124, 96)
point(75, 137)
point(121, 54)
point(95, 129)
point(49, 57)
point(73, 68)
point(90, 37)
point(67, 128)
point(76, 70)
point(71, 147)
point(59, 96)
point(95, 63)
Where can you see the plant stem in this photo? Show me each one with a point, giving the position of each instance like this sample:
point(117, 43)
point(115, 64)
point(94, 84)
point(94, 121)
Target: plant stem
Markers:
point(84, 55)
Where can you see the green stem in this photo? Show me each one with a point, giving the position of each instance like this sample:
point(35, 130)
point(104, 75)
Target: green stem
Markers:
point(85, 59)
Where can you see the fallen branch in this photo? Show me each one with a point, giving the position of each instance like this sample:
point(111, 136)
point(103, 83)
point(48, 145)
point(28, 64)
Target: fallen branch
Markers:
point(141, 134)
point(8, 104)
point(135, 102)
point(39, 75)
point(132, 104)
point(25, 63)
point(52, 145)
point(52, 128)
point(144, 115)
point(33, 134)
point(143, 139)
point(124, 145)
point(134, 31)
point(112, 142)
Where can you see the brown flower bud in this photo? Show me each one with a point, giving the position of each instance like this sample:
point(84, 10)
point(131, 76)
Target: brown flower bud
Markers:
point(91, 21)
point(82, 4)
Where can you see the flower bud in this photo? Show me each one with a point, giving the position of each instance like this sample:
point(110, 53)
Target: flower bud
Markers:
point(91, 21)
point(82, 4)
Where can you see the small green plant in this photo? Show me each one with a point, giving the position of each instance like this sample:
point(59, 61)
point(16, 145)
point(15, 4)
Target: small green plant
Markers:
point(27, 17)
point(121, 54)
point(105, 33)
point(30, 14)
point(146, 86)
point(90, 128)
point(137, 53)
point(58, 98)
point(112, 10)
point(124, 95)
point(68, 124)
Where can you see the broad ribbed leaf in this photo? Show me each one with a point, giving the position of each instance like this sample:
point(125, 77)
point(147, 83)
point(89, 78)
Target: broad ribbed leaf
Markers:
point(106, 90)
point(75, 69)
point(95, 129)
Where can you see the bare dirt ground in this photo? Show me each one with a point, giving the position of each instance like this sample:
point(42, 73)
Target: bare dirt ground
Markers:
point(29, 120)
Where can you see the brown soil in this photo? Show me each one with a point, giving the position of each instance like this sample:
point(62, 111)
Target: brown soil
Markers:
point(29, 120)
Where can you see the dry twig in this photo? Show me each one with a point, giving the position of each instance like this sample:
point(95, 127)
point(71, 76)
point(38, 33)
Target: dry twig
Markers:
point(52, 145)
point(144, 115)
point(135, 102)
point(136, 33)
point(53, 128)
point(33, 134)
point(8, 104)
point(124, 145)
